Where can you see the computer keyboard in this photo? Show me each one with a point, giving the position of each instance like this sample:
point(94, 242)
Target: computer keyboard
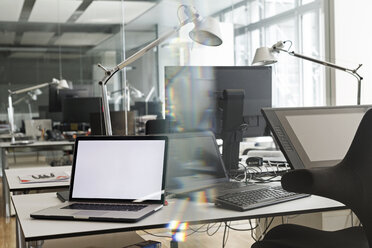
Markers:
point(250, 199)
point(105, 207)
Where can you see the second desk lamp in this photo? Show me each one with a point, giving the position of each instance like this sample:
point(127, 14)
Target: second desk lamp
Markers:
point(265, 56)
point(61, 84)
point(206, 32)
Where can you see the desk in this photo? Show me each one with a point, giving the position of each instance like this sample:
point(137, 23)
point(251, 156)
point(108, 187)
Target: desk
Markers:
point(29, 229)
point(36, 146)
point(13, 184)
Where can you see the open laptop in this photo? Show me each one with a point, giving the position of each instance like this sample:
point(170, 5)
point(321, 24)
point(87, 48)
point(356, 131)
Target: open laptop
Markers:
point(114, 178)
point(195, 163)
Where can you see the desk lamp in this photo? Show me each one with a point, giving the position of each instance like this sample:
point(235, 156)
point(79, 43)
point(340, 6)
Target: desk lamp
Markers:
point(206, 32)
point(265, 56)
point(61, 84)
point(31, 95)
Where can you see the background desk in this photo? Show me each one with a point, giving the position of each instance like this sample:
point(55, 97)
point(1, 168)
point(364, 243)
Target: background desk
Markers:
point(12, 183)
point(5, 147)
point(29, 229)
point(36, 146)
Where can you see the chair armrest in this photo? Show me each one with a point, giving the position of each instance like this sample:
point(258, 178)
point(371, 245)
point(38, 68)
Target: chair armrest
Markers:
point(309, 181)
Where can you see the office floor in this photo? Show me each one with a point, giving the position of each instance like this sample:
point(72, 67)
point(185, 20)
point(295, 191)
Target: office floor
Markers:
point(7, 230)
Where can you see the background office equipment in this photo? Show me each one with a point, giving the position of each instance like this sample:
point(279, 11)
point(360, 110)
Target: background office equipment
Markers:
point(148, 108)
point(195, 100)
point(61, 84)
point(265, 56)
point(56, 97)
point(38, 127)
point(206, 32)
point(78, 110)
point(314, 136)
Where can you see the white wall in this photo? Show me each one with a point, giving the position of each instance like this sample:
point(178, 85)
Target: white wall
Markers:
point(353, 39)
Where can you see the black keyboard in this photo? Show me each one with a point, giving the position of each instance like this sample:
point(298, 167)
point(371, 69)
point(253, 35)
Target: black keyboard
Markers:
point(250, 199)
point(105, 207)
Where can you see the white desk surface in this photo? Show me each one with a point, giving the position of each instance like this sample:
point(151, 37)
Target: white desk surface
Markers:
point(14, 184)
point(182, 210)
point(37, 144)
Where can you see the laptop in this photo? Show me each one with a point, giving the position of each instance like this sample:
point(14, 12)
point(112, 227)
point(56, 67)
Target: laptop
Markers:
point(195, 163)
point(114, 178)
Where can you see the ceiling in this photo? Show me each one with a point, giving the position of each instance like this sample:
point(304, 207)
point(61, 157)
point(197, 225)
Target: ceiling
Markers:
point(75, 26)
point(30, 25)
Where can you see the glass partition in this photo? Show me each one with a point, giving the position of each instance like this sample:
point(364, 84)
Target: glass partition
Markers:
point(62, 39)
point(45, 39)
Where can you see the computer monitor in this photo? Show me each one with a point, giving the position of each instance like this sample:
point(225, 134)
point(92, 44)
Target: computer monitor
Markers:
point(147, 108)
point(193, 96)
point(78, 110)
point(314, 136)
point(56, 96)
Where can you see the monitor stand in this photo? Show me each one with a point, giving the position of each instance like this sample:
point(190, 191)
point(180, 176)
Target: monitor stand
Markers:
point(232, 119)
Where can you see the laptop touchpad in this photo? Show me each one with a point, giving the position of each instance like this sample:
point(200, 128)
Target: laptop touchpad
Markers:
point(90, 213)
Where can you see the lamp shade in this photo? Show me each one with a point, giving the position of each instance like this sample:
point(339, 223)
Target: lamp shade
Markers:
point(33, 94)
point(264, 56)
point(207, 32)
point(61, 84)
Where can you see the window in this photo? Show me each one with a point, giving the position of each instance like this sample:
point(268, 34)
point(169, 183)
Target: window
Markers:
point(260, 23)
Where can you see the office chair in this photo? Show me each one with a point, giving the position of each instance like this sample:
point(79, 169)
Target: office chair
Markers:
point(349, 182)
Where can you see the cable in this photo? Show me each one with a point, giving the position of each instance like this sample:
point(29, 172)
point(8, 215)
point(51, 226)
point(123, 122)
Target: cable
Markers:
point(242, 229)
point(266, 229)
point(225, 235)
point(250, 223)
point(156, 235)
point(292, 216)
point(187, 235)
point(208, 228)
point(196, 230)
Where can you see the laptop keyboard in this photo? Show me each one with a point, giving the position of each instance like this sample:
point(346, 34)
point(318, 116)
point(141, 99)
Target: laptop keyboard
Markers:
point(250, 199)
point(105, 207)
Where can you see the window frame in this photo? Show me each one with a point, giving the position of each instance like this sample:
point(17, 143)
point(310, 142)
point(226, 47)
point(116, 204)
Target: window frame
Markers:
point(323, 11)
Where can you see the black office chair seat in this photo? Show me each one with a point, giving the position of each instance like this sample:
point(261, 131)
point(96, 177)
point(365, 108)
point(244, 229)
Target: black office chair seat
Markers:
point(296, 236)
point(349, 182)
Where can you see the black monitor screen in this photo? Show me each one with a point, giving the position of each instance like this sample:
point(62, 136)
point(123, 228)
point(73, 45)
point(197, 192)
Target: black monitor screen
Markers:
point(56, 96)
point(78, 110)
point(193, 93)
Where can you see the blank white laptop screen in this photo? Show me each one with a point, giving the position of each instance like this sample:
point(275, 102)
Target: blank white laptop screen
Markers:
point(105, 168)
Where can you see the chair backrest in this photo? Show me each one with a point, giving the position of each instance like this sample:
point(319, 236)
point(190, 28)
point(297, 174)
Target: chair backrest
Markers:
point(349, 182)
